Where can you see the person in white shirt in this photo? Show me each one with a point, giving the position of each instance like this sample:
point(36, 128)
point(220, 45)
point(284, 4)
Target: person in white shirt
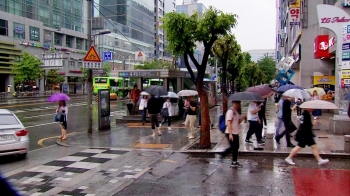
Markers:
point(143, 107)
point(167, 106)
point(233, 119)
point(254, 126)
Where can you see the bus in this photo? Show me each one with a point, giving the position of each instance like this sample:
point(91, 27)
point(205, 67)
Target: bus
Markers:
point(149, 82)
point(112, 83)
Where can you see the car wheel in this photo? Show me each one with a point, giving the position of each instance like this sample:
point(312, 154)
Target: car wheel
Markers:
point(22, 156)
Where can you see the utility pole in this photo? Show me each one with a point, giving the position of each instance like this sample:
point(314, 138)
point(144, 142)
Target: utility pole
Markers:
point(89, 81)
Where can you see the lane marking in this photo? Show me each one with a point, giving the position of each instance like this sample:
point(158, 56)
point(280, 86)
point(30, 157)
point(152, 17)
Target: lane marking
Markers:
point(40, 142)
point(41, 125)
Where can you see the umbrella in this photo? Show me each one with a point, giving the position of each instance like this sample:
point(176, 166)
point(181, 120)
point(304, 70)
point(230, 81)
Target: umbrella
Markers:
point(246, 96)
point(58, 97)
point(261, 90)
point(318, 104)
point(144, 93)
point(187, 93)
point(320, 91)
point(156, 90)
point(302, 94)
point(171, 95)
point(284, 88)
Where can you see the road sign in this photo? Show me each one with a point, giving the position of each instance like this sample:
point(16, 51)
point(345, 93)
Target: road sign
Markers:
point(107, 56)
point(92, 55)
point(213, 78)
point(92, 65)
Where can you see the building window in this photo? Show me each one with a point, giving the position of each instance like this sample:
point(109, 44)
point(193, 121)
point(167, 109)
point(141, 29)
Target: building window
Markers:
point(58, 39)
point(79, 43)
point(71, 63)
point(18, 30)
point(80, 64)
point(47, 37)
point(3, 27)
point(34, 34)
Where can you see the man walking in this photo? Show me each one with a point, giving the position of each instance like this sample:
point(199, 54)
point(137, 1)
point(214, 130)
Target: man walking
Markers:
point(279, 115)
point(153, 111)
point(254, 126)
point(288, 124)
point(134, 96)
point(233, 119)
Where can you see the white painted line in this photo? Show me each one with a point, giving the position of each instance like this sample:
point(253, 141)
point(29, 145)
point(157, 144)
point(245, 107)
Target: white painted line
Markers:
point(39, 125)
point(39, 115)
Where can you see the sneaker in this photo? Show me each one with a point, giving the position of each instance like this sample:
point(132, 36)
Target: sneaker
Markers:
point(235, 164)
point(289, 161)
point(248, 141)
point(323, 161)
point(261, 142)
point(191, 137)
point(169, 129)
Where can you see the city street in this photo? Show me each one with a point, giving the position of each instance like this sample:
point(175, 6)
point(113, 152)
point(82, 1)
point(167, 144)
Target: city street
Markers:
point(37, 116)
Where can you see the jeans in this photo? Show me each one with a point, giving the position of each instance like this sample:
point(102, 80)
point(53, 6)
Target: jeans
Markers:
point(154, 120)
point(144, 113)
point(254, 127)
point(278, 127)
point(135, 109)
point(189, 123)
point(234, 146)
point(185, 114)
point(286, 132)
point(168, 118)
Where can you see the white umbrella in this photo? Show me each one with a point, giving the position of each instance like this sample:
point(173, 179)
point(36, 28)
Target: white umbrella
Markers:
point(171, 95)
point(319, 104)
point(144, 93)
point(187, 93)
point(297, 93)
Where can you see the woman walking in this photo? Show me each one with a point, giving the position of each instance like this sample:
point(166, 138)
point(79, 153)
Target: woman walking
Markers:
point(63, 111)
point(305, 136)
point(169, 113)
point(317, 112)
point(143, 108)
point(191, 119)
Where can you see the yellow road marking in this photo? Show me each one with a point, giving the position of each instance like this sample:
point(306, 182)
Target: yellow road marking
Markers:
point(40, 142)
point(139, 145)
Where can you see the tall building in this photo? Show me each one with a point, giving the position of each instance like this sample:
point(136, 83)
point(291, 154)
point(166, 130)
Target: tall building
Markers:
point(39, 27)
point(297, 34)
point(258, 54)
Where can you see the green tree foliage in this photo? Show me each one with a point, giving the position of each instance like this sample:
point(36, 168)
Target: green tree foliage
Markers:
point(267, 65)
point(28, 69)
point(107, 68)
point(156, 64)
point(53, 77)
point(182, 33)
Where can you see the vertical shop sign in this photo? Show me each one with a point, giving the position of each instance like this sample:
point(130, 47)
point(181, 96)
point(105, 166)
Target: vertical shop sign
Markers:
point(294, 16)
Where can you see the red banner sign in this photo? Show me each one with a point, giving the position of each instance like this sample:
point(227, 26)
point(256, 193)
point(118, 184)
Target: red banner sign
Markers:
point(321, 47)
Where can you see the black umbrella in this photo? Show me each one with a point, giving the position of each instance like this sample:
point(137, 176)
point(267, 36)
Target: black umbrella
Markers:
point(246, 96)
point(284, 88)
point(156, 90)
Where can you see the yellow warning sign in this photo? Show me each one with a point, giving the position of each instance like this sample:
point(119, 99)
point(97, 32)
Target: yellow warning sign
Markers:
point(140, 54)
point(92, 55)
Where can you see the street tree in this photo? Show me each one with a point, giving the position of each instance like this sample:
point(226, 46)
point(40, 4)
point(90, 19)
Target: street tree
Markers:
point(224, 49)
point(156, 64)
point(107, 68)
point(235, 64)
point(27, 69)
point(53, 77)
point(182, 33)
point(267, 65)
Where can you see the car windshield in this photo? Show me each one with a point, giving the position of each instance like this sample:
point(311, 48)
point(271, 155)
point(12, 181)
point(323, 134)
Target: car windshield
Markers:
point(8, 119)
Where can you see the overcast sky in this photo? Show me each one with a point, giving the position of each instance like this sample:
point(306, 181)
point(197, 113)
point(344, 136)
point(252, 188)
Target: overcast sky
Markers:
point(256, 24)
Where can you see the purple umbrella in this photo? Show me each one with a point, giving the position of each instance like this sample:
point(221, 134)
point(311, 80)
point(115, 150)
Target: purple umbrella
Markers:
point(58, 97)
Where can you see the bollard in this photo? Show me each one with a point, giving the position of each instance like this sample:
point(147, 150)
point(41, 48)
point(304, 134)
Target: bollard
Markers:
point(269, 141)
point(347, 143)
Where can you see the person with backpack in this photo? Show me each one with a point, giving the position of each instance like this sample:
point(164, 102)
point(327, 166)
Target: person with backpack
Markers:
point(233, 119)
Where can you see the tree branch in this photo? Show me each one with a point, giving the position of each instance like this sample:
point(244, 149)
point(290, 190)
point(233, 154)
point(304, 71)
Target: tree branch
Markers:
point(195, 62)
point(190, 71)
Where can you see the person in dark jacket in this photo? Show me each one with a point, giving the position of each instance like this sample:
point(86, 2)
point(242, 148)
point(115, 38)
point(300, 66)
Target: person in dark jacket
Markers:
point(154, 108)
point(305, 136)
point(6, 188)
point(287, 121)
point(262, 115)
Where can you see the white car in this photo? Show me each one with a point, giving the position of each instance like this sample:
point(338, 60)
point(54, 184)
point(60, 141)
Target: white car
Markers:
point(14, 139)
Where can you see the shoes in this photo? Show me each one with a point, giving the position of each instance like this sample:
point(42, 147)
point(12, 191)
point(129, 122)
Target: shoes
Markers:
point(169, 129)
point(323, 161)
point(248, 141)
point(289, 161)
point(235, 164)
point(291, 146)
point(191, 137)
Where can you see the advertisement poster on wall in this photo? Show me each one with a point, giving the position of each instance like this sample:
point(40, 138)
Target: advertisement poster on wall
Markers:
point(326, 82)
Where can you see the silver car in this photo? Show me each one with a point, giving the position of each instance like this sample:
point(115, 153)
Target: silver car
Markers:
point(14, 139)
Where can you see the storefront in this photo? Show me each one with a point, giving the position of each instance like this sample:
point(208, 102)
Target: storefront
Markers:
point(325, 82)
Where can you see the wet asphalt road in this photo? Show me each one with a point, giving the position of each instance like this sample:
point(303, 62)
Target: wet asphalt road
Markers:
point(37, 116)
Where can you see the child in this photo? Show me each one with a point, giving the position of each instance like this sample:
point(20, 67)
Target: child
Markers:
point(63, 123)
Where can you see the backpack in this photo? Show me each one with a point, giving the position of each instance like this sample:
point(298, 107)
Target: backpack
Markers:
point(222, 122)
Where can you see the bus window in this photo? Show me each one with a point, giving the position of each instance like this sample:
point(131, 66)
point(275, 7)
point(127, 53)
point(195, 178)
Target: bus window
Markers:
point(158, 83)
point(112, 82)
point(101, 80)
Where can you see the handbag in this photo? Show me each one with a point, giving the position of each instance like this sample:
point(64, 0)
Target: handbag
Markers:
point(141, 106)
point(57, 117)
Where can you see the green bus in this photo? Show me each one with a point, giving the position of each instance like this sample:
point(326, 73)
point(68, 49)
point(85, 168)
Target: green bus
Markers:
point(112, 83)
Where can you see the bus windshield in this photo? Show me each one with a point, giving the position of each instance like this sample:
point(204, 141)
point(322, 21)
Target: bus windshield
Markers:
point(101, 80)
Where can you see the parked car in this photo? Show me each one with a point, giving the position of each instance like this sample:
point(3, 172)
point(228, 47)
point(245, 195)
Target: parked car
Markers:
point(14, 139)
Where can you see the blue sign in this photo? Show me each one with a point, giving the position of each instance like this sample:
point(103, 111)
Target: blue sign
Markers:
point(346, 46)
point(107, 56)
point(213, 78)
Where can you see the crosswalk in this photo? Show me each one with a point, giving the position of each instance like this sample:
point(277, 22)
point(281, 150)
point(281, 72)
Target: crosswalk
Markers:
point(47, 108)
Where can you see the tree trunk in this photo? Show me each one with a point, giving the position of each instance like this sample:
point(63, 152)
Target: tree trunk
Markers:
point(224, 86)
point(204, 132)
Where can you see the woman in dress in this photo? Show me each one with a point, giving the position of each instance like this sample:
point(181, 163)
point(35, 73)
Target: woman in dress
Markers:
point(169, 109)
point(317, 112)
point(143, 108)
point(63, 107)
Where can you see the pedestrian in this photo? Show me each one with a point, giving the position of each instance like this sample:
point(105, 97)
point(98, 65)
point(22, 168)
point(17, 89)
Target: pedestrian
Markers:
point(62, 106)
point(289, 126)
point(253, 119)
point(6, 188)
point(317, 112)
point(199, 113)
point(277, 98)
point(186, 108)
point(305, 136)
point(233, 119)
point(143, 108)
point(134, 97)
point(153, 111)
point(279, 115)
point(296, 108)
point(262, 116)
point(191, 119)
point(167, 114)
point(63, 123)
